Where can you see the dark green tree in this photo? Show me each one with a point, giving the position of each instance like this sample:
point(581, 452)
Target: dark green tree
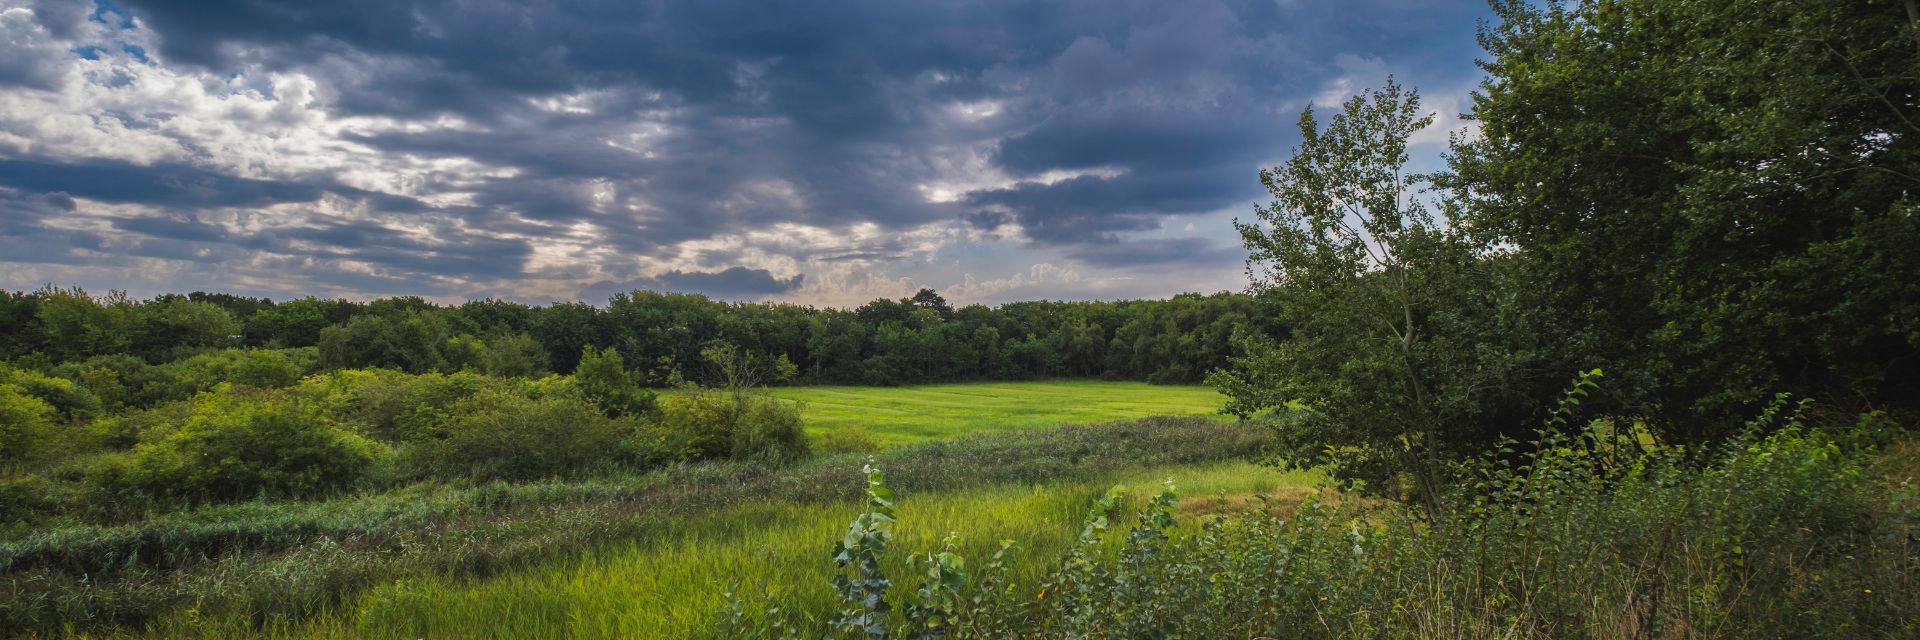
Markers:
point(1712, 200)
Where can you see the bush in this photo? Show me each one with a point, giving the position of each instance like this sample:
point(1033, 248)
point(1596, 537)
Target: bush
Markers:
point(70, 402)
point(769, 430)
point(706, 424)
point(499, 435)
point(261, 368)
point(239, 445)
point(603, 376)
point(388, 404)
point(25, 423)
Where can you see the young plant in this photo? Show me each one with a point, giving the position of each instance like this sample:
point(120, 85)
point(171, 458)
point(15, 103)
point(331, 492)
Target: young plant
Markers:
point(862, 584)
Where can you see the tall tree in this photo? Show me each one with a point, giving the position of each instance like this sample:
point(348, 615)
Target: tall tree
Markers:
point(1385, 366)
point(1712, 200)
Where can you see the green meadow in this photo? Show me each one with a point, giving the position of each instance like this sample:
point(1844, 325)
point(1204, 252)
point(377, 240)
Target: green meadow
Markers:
point(902, 415)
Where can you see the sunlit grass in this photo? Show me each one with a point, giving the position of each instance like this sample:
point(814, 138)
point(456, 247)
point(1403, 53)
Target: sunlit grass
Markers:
point(670, 585)
point(903, 415)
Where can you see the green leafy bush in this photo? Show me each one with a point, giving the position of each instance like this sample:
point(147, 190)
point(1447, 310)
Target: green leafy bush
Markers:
point(707, 423)
point(501, 435)
point(25, 423)
point(388, 404)
point(71, 402)
point(239, 445)
point(603, 376)
point(261, 368)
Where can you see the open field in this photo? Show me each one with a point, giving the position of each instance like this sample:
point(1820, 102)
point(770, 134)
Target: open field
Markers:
point(902, 415)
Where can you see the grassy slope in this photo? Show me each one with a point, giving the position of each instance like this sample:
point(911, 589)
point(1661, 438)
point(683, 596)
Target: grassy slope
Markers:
point(903, 415)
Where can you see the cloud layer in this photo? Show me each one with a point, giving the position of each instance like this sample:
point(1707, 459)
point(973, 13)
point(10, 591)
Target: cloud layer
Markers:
point(822, 151)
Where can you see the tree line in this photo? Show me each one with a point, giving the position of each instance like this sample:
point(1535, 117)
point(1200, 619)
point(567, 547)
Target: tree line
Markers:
point(661, 335)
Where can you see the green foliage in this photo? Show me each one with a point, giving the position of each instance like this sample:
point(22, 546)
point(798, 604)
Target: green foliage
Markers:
point(1589, 532)
point(258, 368)
point(410, 342)
point(515, 355)
point(175, 325)
point(1714, 199)
point(603, 377)
point(25, 423)
point(886, 342)
point(391, 405)
point(76, 325)
point(1396, 362)
point(708, 423)
point(71, 402)
point(294, 323)
point(861, 583)
point(934, 612)
point(238, 445)
point(502, 435)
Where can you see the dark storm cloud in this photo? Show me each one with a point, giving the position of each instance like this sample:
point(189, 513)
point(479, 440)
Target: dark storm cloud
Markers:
point(738, 283)
point(657, 122)
point(43, 190)
point(177, 185)
point(1158, 252)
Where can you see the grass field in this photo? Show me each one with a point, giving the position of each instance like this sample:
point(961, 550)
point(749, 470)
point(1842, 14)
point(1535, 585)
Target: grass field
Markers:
point(902, 415)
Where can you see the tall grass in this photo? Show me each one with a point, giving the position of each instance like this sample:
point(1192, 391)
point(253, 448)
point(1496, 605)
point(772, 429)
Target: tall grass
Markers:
point(1781, 533)
point(272, 564)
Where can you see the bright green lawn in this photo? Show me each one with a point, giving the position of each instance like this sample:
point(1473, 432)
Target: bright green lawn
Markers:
point(903, 415)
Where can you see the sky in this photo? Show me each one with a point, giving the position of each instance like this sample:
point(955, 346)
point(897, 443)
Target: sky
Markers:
point(820, 152)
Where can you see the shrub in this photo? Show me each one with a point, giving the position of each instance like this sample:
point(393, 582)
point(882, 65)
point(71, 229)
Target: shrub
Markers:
point(706, 423)
point(388, 404)
point(70, 402)
point(239, 445)
point(769, 430)
point(497, 435)
point(603, 376)
point(25, 422)
point(126, 429)
point(261, 368)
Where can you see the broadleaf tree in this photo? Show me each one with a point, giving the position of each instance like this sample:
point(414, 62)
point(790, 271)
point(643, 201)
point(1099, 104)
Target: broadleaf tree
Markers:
point(1397, 359)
